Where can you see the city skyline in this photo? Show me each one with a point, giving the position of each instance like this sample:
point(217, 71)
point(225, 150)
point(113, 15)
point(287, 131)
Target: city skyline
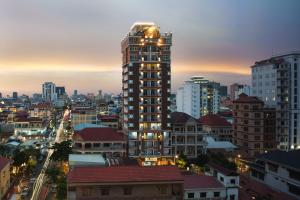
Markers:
point(77, 45)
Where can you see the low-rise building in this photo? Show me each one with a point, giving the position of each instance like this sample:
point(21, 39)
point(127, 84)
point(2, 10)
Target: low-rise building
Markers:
point(228, 178)
point(217, 127)
point(106, 141)
point(279, 170)
point(125, 182)
point(109, 121)
point(80, 115)
point(187, 135)
point(41, 110)
point(4, 176)
point(203, 187)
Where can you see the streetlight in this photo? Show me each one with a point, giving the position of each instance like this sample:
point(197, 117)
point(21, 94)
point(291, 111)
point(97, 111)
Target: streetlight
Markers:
point(175, 157)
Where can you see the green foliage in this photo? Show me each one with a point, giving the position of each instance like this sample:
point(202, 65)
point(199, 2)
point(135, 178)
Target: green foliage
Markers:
point(220, 159)
point(200, 161)
point(181, 161)
point(61, 188)
point(62, 151)
point(20, 157)
point(53, 173)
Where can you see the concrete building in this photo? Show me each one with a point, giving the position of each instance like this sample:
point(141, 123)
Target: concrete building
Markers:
point(209, 95)
point(41, 110)
point(236, 89)
point(253, 126)
point(188, 99)
point(279, 170)
point(125, 182)
point(217, 127)
point(228, 178)
point(111, 121)
point(60, 92)
point(15, 95)
point(146, 84)
point(5, 176)
point(276, 82)
point(105, 141)
point(49, 92)
point(204, 188)
point(187, 135)
point(83, 115)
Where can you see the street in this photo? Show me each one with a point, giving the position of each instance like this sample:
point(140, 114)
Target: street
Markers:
point(40, 179)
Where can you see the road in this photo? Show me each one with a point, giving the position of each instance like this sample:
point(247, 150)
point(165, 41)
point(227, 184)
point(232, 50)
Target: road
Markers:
point(40, 179)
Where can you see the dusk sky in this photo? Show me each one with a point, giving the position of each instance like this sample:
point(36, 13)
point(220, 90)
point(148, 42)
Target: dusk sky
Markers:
point(76, 43)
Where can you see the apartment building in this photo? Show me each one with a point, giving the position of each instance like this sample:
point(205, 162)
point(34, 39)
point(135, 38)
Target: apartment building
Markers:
point(253, 126)
point(187, 135)
point(188, 99)
point(125, 182)
point(146, 83)
point(279, 170)
point(83, 115)
point(41, 110)
point(217, 127)
point(106, 141)
point(276, 82)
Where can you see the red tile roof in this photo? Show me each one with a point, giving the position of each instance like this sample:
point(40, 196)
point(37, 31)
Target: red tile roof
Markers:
point(214, 120)
point(124, 174)
point(195, 181)
point(4, 161)
point(243, 98)
point(100, 134)
point(181, 118)
point(108, 117)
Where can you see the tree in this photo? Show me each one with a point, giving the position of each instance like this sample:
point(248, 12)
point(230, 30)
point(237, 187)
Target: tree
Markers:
point(220, 159)
point(62, 188)
point(181, 161)
point(20, 157)
point(52, 174)
point(62, 151)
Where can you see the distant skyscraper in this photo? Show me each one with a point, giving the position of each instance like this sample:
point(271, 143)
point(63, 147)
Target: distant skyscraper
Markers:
point(209, 95)
point(75, 93)
point(146, 92)
point(237, 89)
point(188, 99)
point(49, 92)
point(0, 95)
point(60, 92)
point(15, 95)
point(276, 81)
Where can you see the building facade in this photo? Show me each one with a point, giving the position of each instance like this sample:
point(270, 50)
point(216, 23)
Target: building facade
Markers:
point(209, 95)
point(146, 64)
point(49, 92)
point(188, 99)
point(187, 135)
point(276, 82)
point(217, 127)
point(125, 182)
point(279, 170)
point(105, 141)
point(253, 126)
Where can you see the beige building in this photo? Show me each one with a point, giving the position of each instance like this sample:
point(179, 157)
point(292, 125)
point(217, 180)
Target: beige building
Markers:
point(187, 135)
point(217, 127)
point(4, 176)
point(83, 115)
point(106, 141)
point(126, 182)
point(41, 110)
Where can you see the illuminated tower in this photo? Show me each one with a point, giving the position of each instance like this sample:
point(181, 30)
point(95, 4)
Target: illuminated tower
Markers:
point(146, 93)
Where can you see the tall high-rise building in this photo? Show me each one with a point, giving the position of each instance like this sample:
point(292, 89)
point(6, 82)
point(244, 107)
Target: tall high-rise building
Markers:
point(60, 92)
point(188, 99)
point(237, 89)
point(209, 95)
point(15, 95)
point(49, 92)
point(276, 81)
point(146, 64)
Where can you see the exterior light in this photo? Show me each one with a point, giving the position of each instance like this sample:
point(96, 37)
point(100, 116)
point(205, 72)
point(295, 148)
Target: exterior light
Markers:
point(239, 156)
